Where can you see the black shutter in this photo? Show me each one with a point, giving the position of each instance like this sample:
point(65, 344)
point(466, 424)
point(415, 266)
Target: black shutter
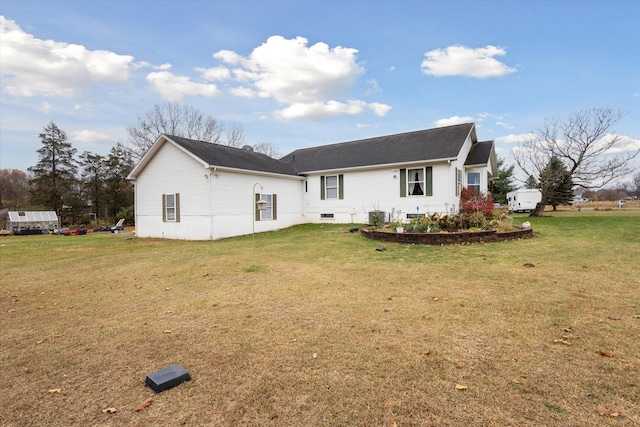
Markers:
point(164, 208)
point(403, 183)
point(429, 181)
point(176, 200)
point(257, 214)
point(341, 186)
point(274, 205)
point(322, 187)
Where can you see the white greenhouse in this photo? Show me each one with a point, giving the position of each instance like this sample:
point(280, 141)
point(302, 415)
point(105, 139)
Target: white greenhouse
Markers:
point(34, 222)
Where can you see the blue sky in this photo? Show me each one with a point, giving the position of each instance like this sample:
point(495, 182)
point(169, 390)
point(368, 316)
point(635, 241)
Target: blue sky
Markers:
point(305, 73)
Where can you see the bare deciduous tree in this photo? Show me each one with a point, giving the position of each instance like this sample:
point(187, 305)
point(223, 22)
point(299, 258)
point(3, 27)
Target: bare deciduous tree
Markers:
point(14, 189)
point(173, 119)
point(268, 148)
point(234, 136)
point(585, 143)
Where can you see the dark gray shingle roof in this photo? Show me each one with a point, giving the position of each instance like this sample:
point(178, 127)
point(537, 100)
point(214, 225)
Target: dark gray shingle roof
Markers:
point(479, 154)
point(423, 145)
point(237, 158)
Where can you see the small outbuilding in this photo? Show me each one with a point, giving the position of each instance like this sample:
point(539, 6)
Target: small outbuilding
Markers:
point(32, 222)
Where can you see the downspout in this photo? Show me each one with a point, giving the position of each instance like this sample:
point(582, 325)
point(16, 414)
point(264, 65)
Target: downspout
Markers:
point(135, 207)
point(211, 172)
point(454, 181)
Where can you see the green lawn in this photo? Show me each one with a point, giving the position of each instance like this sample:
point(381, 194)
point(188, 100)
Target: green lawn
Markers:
point(313, 326)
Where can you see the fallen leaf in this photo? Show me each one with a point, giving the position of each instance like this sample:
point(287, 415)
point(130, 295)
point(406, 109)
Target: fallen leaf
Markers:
point(614, 414)
point(435, 298)
point(569, 329)
point(636, 316)
point(528, 265)
point(561, 341)
point(604, 353)
point(578, 294)
point(167, 331)
point(144, 404)
point(602, 410)
point(461, 387)
point(55, 390)
point(110, 410)
point(614, 318)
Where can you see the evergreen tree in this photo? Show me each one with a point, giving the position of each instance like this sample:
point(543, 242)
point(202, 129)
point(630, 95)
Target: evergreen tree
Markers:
point(556, 183)
point(93, 177)
point(504, 183)
point(531, 183)
point(54, 175)
point(118, 189)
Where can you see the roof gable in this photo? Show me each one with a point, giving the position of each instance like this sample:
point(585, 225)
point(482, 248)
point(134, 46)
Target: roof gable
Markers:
point(217, 155)
point(483, 154)
point(423, 145)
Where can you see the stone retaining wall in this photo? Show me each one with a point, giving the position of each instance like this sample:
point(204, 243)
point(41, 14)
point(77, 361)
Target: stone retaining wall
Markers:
point(450, 238)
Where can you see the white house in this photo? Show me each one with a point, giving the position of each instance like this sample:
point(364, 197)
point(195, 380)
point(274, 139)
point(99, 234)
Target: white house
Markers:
point(186, 189)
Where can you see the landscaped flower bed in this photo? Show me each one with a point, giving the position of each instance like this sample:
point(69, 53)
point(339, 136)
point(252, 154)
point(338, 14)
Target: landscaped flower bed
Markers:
point(478, 221)
point(448, 238)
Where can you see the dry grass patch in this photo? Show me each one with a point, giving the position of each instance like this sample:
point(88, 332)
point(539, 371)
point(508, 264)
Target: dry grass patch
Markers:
point(315, 327)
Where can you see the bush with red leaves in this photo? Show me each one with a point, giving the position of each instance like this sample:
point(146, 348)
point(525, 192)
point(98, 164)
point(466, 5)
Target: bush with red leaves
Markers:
point(471, 202)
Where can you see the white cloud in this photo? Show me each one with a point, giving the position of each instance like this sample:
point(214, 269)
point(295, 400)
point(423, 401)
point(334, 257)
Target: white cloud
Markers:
point(228, 56)
point(215, 73)
point(32, 66)
point(623, 144)
point(321, 109)
point(514, 138)
point(454, 120)
point(309, 80)
point(504, 125)
point(244, 92)
point(45, 107)
point(380, 110)
point(174, 88)
point(464, 61)
point(374, 87)
point(89, 136)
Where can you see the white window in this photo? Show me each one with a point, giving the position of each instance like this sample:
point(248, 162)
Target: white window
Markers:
point(331, 187)
point(473, 182)
point(171, 207)
point(270, 212)
point(267, 213)
point(415, 182)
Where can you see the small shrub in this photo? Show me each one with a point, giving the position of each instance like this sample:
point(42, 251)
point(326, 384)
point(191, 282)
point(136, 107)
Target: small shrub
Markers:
point(376, 220)
point(477, 220)
point(470, 202)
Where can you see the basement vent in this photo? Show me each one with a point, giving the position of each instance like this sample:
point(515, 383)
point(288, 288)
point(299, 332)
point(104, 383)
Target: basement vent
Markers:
point(326, 216)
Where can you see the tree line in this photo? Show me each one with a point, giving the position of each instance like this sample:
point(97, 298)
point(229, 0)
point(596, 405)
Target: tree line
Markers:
point(81, 188)
point(93, 188)
point(561, 156)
